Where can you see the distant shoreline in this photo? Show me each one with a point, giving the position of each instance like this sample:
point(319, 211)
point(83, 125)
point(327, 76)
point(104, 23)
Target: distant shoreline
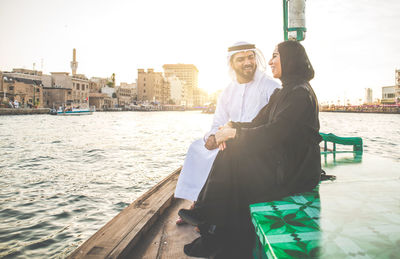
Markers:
point(350, 111)
point(32, 111)
point(23, 111)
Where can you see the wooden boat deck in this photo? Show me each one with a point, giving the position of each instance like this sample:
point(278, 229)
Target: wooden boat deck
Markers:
point(166, 239)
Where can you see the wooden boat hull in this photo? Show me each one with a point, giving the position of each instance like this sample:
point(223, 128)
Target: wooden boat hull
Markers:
point(123, 236)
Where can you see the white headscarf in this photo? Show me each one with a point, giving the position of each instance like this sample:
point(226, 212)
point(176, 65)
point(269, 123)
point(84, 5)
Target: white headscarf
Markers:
point(245, 46)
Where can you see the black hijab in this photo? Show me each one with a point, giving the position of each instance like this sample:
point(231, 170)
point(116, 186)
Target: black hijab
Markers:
point(295, 65)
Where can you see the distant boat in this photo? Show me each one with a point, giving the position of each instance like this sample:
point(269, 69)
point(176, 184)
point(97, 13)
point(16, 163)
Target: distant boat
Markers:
point(71, 111)
point(208, 108)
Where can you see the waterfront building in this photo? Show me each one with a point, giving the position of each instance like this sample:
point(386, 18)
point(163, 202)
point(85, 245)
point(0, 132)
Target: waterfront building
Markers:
point(177, 87)
point(78, 84)
point(110, 91)
point(27, 92)
point(56, 97)
point(187, 73)
point(152, 87)
point(112, 95)
point(391, 94)
point(30, 74)
point(126, 94)
point(388, 95)
point(200, 97)
point(368, 96)
point(97, 83)
point(100, 101)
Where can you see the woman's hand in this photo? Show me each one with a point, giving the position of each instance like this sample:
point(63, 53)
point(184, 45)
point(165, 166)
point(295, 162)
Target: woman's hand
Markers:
point(224, 134)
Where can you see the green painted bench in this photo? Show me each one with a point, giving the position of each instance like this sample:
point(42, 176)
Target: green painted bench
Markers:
point(288, 228)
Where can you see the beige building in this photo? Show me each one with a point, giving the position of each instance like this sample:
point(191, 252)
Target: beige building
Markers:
point(30, 74)
point(187, 73)
point(28, 92)
point(152, 87)
point(200, 97)
point(100, 100)
point(56, 97)
point(368, 96)
point(391, 94)
point(126, 94)
point(97, 83)
point(78, 84)
point(80, 89)
point(388, 94)
point(177, 88)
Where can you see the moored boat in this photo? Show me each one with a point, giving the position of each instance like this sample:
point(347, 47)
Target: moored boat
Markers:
point(71, 111)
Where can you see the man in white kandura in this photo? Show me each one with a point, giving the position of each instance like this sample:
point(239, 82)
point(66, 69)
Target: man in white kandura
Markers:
point(244, 97)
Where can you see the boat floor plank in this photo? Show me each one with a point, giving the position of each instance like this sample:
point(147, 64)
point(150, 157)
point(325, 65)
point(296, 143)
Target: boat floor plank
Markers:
point(166, 240)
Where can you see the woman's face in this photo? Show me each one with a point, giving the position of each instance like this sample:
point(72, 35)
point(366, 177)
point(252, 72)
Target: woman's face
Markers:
point(275, 63)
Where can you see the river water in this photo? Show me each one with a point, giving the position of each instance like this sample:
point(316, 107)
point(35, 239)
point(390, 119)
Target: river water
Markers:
point(62, 178)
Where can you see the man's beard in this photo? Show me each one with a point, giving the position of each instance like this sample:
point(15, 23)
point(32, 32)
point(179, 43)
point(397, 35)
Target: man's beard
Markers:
point(247, 76)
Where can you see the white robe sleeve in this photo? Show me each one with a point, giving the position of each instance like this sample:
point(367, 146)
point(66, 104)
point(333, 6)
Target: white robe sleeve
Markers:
point(221, 115)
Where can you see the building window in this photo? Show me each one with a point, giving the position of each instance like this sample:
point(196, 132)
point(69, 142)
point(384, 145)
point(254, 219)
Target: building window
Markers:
point(37, 90)
point(69, 92)
point(77, 86)
point(83, 87)
point(11, 88)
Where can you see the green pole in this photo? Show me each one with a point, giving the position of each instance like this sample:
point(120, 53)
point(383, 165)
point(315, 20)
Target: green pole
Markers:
point(300, 31)
point(285, 20)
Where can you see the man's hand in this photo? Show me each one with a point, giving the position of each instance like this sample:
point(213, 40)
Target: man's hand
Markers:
point(211, 143)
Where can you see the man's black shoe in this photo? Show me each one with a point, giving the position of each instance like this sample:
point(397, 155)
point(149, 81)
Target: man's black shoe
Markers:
point(202, 247)
point(190, 216)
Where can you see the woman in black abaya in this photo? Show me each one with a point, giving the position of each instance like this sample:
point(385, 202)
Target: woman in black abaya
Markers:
point(275, 155)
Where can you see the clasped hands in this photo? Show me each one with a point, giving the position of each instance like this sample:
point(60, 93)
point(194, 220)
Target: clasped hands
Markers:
point(223, 134)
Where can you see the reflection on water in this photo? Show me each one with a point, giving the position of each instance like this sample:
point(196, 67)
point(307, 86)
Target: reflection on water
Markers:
point(62, 178)
point(332, 160)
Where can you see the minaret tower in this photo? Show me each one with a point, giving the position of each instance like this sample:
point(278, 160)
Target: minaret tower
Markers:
point(74, 63)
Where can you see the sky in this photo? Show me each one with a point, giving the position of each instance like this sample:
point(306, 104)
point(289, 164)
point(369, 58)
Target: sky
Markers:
point(352, 45)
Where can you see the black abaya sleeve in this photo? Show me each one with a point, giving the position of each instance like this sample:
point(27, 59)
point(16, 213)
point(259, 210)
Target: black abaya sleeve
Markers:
point(262, 115)
point(290, 116)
